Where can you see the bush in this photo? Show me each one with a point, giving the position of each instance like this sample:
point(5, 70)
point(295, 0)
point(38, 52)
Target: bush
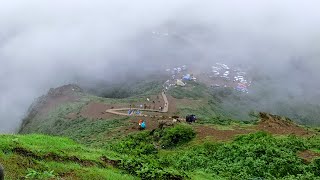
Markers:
point(252, 156)
point(316, 166)
point(175, 136)
point(148, 167)
point(136, 144)
point(193, 91)
point(140, 155)
point(145, 142)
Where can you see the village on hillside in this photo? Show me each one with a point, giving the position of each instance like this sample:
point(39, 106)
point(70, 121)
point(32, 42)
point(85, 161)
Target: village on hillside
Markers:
point(218, 75)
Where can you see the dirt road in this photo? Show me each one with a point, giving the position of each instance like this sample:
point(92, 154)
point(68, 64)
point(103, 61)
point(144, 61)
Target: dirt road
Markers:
point(164, 110)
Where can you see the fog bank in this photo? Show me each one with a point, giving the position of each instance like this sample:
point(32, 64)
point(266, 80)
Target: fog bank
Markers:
point(45, 44)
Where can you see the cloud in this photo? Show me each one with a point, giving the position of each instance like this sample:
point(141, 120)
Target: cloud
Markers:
point(49, 43)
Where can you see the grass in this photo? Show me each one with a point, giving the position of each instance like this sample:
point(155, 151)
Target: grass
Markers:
point(93, 132)
point(252, 156)
point(36, 154)
point(44, 123)
point(122, 102)
point(132, 89)
point(193, 91)
point(256, 155)
point(83, 130)
point(200, 175)
point(97, 132)
point(203, 103)
point(90, 132)
point(160, 154)
point(233, 159)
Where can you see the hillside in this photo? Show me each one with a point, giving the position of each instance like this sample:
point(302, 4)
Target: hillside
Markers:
point(171, 153)
point(47, 157)
point(215, 147)
point(159, 90)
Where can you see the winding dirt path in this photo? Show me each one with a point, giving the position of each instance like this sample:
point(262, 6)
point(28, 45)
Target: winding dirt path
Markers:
point(164, 110)
point(166, 102)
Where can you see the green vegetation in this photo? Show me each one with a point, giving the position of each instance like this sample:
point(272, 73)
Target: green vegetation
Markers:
point(302, 112)
point(193, 91)
point(140, 152)
point(161, 154)
point(252, 156)
point(46, 157)
point(106, 152)
point(201, 102)
point(33, 174)
point(44, 123)
point(226, 103)
point(176, 136)
point(83, 130)
point(131, 89)
point(93, 132)
point(86, 131)
point(146, 142)
point(208, 105)
point(261, 98)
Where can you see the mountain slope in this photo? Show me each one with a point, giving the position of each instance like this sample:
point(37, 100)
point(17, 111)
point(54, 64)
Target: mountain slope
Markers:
point(47, 157)
point(215, 147)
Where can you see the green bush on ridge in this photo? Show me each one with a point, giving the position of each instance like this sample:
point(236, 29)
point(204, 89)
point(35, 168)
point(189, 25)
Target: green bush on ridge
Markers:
point(172, 137)
point(253, 156)
point(141, 150)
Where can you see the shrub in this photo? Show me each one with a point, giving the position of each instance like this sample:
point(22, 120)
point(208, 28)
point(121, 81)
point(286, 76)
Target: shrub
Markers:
point(33, 174)
point(136, 144)
point(316, 166)
point(252, 156)
point(141, 157)
point(175, 136)
point(147, 167)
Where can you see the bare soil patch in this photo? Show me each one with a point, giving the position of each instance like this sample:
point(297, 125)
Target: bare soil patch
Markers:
point(279, 125)
point(308, 155)
point(72, 116)
point(158, 101)
point(151, 124)
point(53, 102)
point(221, 135)
point(172, 105)
point(95, 110)
point(155, 101)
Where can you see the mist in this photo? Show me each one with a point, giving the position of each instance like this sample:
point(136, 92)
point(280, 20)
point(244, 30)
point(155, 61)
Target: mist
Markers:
point(45, 44)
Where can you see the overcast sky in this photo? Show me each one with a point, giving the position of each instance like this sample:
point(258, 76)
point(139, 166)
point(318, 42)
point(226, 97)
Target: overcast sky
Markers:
point(45, 44)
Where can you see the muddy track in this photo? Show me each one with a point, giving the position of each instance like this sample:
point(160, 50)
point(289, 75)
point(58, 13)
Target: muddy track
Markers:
point(165, 109)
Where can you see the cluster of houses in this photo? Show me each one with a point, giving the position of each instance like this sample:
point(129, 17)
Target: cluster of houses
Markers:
point(220, 75)
point(223, 75)
point(179, 77)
